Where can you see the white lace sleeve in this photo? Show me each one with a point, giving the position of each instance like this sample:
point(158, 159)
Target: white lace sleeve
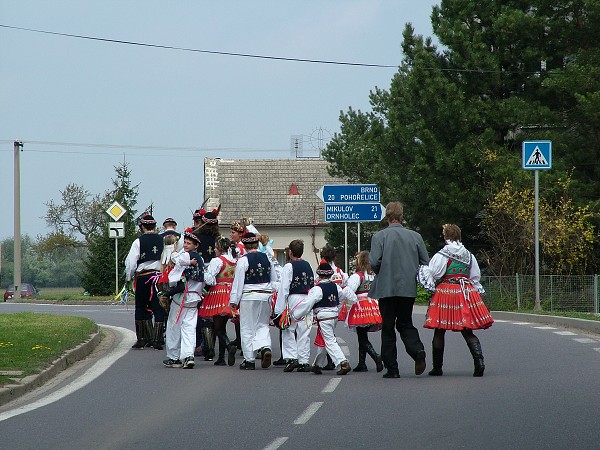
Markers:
point(425, 278)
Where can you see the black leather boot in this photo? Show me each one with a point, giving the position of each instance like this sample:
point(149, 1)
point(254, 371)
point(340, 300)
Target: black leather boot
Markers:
point(139, 332)
point(222, 346)
point(329, 365)
point(209, 346)
point(158, 332)
point(361, 366)
point(376, 357)
point(475, 348)
point(438, 361)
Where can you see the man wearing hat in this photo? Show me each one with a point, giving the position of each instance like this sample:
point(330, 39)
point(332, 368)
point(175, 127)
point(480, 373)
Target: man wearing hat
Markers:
point(142, 265)
point(251, 293)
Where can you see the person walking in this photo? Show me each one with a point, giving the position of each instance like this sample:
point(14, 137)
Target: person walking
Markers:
point(456, 303)
point(395, 256)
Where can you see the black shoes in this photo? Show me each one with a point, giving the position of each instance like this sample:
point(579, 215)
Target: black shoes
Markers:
point(188, 363)
point(172, 363)
point(420, 362)
point(360, 367)
point(316, 370)
point(280, 362)
point(291, 365)
point(304, 368)
point(247, 365)
point(391, 373)
point(344, 368)
point(231, 349)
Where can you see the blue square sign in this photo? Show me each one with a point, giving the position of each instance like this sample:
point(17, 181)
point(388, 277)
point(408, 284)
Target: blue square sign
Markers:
point(537, 155)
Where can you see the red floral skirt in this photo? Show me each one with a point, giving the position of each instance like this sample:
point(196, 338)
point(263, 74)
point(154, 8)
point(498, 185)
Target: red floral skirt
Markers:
point(365, 313)
point(216, 301)
point(457, 307)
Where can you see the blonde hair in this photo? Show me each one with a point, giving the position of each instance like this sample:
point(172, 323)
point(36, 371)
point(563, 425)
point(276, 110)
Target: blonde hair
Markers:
point(362, 262)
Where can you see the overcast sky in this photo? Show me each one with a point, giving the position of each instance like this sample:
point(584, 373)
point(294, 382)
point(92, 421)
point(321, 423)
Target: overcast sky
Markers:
point(114, 99)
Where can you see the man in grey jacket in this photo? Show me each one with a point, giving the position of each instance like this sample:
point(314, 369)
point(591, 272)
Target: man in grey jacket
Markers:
point(395, 256)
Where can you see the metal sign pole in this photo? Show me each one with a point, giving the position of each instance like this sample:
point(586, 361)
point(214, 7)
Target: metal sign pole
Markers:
point(116, 266)
point(537, 305)
point(346, 247)
point(358, 233)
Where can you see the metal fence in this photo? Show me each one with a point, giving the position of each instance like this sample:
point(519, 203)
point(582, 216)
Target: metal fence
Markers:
point(557, 292)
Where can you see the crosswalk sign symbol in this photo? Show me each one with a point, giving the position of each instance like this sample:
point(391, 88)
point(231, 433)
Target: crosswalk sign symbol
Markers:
point(537, 155)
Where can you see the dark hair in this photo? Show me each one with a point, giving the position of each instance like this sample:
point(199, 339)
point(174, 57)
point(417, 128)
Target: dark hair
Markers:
point(451, 232)
point(223, 244)
point(297, 247)
point(328, 253)
point(362, 262)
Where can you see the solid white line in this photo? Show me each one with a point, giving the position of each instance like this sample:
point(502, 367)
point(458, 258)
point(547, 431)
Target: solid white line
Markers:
point(330, 387)
point(565, 333)
point(585, 340)
point(278, 442)
point(92, 373)
point(308, 413)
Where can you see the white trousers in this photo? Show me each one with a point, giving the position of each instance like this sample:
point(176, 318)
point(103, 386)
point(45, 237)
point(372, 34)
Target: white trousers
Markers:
point(331, 345)
point(295, 341)
point(254, 327)
point(181, 337)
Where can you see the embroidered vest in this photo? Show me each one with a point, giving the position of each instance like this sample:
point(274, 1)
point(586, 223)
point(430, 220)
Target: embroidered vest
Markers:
point(151, 247)
point(259, 268)
point(364, 286)
point(330, 296)
point(207, 247)
point(195, 273)
point(227, 271)
point(303, 278)
point(456, 268)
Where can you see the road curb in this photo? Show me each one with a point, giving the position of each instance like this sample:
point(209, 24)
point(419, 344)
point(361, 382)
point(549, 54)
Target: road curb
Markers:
point(10, 392)
point(590, 326)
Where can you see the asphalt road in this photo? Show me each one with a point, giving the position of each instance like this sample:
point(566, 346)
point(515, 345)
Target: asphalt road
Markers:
point(540, 391)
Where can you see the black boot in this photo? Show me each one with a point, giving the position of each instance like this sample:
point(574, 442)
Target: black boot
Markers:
point(376, 357)
point(222, 345)
point(158, 335)
point(207, 336)
point(475, 348)
point(329, 365)
point(361, 366)
point(148, 332)
point(139, 332)
point(438, 362)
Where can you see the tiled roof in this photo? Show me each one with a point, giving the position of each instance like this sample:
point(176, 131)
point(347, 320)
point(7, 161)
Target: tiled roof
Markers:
point(270, 191)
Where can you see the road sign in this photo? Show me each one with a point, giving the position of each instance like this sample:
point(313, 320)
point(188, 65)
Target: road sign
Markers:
point(116, 211)
point(349, 193)
point(116, 229)
point(354, 212)
point(537, 155)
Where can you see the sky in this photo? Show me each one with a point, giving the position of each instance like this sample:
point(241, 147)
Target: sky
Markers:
point(83, 106)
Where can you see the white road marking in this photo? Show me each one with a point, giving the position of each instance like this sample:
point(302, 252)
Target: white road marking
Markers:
point(585, 340)
point(330, 387)
point(308, 413)
point(278, 442)
point(545, 328)
point(565, 333)
point(340, 340)
point(345, 350)
point(501, 321)
point(521, 323)
point(597, 349)
point(88, 376)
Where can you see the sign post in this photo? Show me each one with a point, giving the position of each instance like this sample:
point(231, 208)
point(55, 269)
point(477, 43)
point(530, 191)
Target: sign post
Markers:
point(116, 230)
point(537, 155)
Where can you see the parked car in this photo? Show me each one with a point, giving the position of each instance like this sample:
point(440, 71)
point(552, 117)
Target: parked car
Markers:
point(27, 290)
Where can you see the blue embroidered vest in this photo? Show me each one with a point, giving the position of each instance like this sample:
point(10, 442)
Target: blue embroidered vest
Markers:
point(195, 273)
point(303, 278)
point(259, 268)
point(330, 296)
point(207, 247)
point(151, 247)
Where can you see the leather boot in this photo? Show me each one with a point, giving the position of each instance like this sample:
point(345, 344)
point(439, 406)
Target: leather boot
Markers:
point(475, 348)
point(139, 332)
point(148, 332)
point(361, 366)
point(376, 357)
point(158, 332)
point(207, 336)
point(329, 365)
point(222, 345)
point(438, 361)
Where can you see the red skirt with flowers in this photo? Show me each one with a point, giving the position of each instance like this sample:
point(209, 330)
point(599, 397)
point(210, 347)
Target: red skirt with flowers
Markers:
point(457, 306)
point(365, 313)
point(216, 301)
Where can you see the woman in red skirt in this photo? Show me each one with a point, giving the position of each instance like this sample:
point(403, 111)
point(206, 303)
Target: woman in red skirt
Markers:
point(364, 315)
point(219, 275)
point(456, 303)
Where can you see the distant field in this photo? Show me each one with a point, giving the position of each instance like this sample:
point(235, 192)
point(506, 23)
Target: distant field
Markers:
point(74, 293)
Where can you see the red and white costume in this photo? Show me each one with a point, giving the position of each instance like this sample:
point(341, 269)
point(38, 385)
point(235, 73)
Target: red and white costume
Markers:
point(219, 276)
point(364, 311)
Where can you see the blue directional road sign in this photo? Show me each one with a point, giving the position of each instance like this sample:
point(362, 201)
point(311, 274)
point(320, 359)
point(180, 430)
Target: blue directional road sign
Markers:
point(537, 155)
point(349, 193)
point(354, 212)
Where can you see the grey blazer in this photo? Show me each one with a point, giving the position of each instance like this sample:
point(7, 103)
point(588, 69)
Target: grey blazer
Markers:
point(396, 253)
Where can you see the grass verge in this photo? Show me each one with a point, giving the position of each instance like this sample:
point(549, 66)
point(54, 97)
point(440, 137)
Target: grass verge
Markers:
point(31, 341)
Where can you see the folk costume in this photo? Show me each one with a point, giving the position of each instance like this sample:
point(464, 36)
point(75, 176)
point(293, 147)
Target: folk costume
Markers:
point(237, 231)
point(142, 266)
point(325, 298)
point(456, 303)
point(363, 316)
point(297, 280)
point(183, 315)
point(251, 292)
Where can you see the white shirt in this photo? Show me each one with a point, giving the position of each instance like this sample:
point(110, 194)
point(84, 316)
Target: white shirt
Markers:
point(131, 265)
point(214, 268)
point(353, 284)
point(239, 288)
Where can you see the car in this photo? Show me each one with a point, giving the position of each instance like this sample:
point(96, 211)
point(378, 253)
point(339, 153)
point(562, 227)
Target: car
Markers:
point(27, 290)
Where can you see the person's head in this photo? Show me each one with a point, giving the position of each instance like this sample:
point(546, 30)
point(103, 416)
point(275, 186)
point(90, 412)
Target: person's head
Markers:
point(324, 271)
point(236, 231)
point(362, 262)
point(250, 241)
point(147, 223)
point(223, 244)
point(210, 223)
point(197, 217)
point(394, 212)
point(451, 232)
point(263, 238)
point(169, 224)
point(328, 253)
point(190, 240)
point(296, 248)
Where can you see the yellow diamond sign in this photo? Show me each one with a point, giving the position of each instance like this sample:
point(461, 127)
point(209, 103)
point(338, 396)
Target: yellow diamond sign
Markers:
point(116, 211)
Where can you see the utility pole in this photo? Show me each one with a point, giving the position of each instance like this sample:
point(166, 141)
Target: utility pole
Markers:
point(18, 146)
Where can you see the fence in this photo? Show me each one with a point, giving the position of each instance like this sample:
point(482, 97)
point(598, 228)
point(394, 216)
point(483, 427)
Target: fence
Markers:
point(557, 292)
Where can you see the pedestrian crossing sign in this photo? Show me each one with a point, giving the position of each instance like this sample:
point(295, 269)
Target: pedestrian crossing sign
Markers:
point(537, 155)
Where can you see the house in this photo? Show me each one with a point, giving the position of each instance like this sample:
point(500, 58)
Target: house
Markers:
point(277, 195)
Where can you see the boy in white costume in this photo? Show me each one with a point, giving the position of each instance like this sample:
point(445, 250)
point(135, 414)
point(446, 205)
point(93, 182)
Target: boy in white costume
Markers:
point(183, 315)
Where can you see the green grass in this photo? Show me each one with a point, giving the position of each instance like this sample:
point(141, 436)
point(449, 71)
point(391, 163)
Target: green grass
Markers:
point(65, 294)
point(31, 341)
point(573, 314)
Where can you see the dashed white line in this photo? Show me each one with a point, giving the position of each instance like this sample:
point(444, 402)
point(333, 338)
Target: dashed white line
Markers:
point(278, 442)
point(500, 321)
point(330, 387)
point(340, 340)
point(585, 340)
point(345, 350)
point(545, 328)
point(565, 333)
point(521, 323)
point(308, 413)
point(597, 349)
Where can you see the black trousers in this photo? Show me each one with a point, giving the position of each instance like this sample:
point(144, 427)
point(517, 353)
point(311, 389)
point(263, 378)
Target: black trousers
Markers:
point(146, 300)
point(396, 314)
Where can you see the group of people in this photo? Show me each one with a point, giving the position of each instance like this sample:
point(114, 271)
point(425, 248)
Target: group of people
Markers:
point(193, 286)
